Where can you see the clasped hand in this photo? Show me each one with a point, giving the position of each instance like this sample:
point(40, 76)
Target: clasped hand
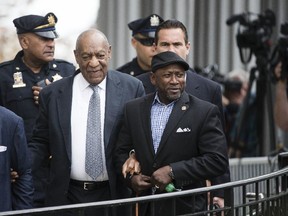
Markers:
point(159, 179)
point(139, 182)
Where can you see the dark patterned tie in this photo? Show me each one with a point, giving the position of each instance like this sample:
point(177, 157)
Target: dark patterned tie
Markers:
point(93, 160)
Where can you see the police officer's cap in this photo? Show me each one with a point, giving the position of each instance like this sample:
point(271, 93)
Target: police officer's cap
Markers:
point(164, 59)
point(146, 26)
point(42, 26)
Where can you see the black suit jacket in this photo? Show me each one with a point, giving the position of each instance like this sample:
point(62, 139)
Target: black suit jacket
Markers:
point(14, 154)
point(52, 133)
point(204, 89)
point(193, 144)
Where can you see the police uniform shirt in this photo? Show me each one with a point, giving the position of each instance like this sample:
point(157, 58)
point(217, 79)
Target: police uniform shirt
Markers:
point(132, 68)
point(18, 97)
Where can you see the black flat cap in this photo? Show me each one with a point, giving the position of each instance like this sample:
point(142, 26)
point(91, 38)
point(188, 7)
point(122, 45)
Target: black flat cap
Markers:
point(42, 26)
point(146, 26)
point(164, 59)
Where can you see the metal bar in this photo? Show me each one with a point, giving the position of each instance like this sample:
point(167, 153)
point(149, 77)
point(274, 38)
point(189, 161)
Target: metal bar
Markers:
point(275, 201)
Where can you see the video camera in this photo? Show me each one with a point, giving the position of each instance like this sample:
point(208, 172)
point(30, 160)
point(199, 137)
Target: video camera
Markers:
point(254, 33)
point(212, 72)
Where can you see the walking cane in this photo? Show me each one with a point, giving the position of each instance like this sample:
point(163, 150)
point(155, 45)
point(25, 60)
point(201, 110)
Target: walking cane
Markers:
point(136, 207)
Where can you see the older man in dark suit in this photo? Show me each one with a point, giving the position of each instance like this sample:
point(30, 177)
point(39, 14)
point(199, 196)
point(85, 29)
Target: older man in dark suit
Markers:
point(177, 138)
point(62, 129)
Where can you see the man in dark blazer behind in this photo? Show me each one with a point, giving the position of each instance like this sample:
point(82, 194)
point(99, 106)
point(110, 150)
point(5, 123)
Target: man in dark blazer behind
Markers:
point(177, 138)
point(14, 154)
point(60, 130)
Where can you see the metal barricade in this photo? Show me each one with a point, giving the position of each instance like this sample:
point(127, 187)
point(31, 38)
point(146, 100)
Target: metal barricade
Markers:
point(270, 201)
point(245, 168)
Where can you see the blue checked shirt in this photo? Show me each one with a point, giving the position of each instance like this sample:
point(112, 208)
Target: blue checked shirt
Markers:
point(159, 117)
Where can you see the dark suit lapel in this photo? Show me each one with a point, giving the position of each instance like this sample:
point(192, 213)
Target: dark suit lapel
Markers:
point(179, 109)
point(146, 121)
point(64, 103)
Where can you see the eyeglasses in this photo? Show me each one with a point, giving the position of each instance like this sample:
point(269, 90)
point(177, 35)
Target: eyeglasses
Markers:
point(145, 41)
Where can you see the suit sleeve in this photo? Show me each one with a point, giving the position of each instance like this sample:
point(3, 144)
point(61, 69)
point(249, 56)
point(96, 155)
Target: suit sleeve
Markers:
point(22, 189)
point(40, 152)
point(39, 143)
point(212, 159)
point(123, 146)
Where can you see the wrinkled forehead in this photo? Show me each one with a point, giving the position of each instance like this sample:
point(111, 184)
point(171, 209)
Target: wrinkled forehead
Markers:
point(92, 45)
point(92, 38)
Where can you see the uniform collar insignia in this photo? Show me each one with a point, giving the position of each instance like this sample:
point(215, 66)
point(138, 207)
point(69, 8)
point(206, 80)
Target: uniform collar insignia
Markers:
point(183, 108)
point(56, 77)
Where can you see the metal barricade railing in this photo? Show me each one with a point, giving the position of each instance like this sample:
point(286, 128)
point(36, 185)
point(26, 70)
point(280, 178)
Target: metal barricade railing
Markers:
point(272, 201)
point(245, 168)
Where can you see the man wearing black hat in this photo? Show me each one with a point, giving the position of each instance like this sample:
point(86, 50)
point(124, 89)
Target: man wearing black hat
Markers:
point(172, 146)
point(143, 34)
point(22, 78)
point(172, 35)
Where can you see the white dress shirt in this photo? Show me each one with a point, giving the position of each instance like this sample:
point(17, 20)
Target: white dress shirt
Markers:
point(81, 94)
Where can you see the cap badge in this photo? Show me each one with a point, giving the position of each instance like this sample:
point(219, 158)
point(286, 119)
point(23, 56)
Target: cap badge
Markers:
point(51, 22)
point(18, 80)
point(154, 20)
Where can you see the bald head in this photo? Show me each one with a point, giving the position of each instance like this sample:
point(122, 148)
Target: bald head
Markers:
point(92, 54)
point(89, 34)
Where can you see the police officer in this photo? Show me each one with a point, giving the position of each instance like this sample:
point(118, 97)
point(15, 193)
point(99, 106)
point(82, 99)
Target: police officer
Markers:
point(33, 67)
point(143, 33)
